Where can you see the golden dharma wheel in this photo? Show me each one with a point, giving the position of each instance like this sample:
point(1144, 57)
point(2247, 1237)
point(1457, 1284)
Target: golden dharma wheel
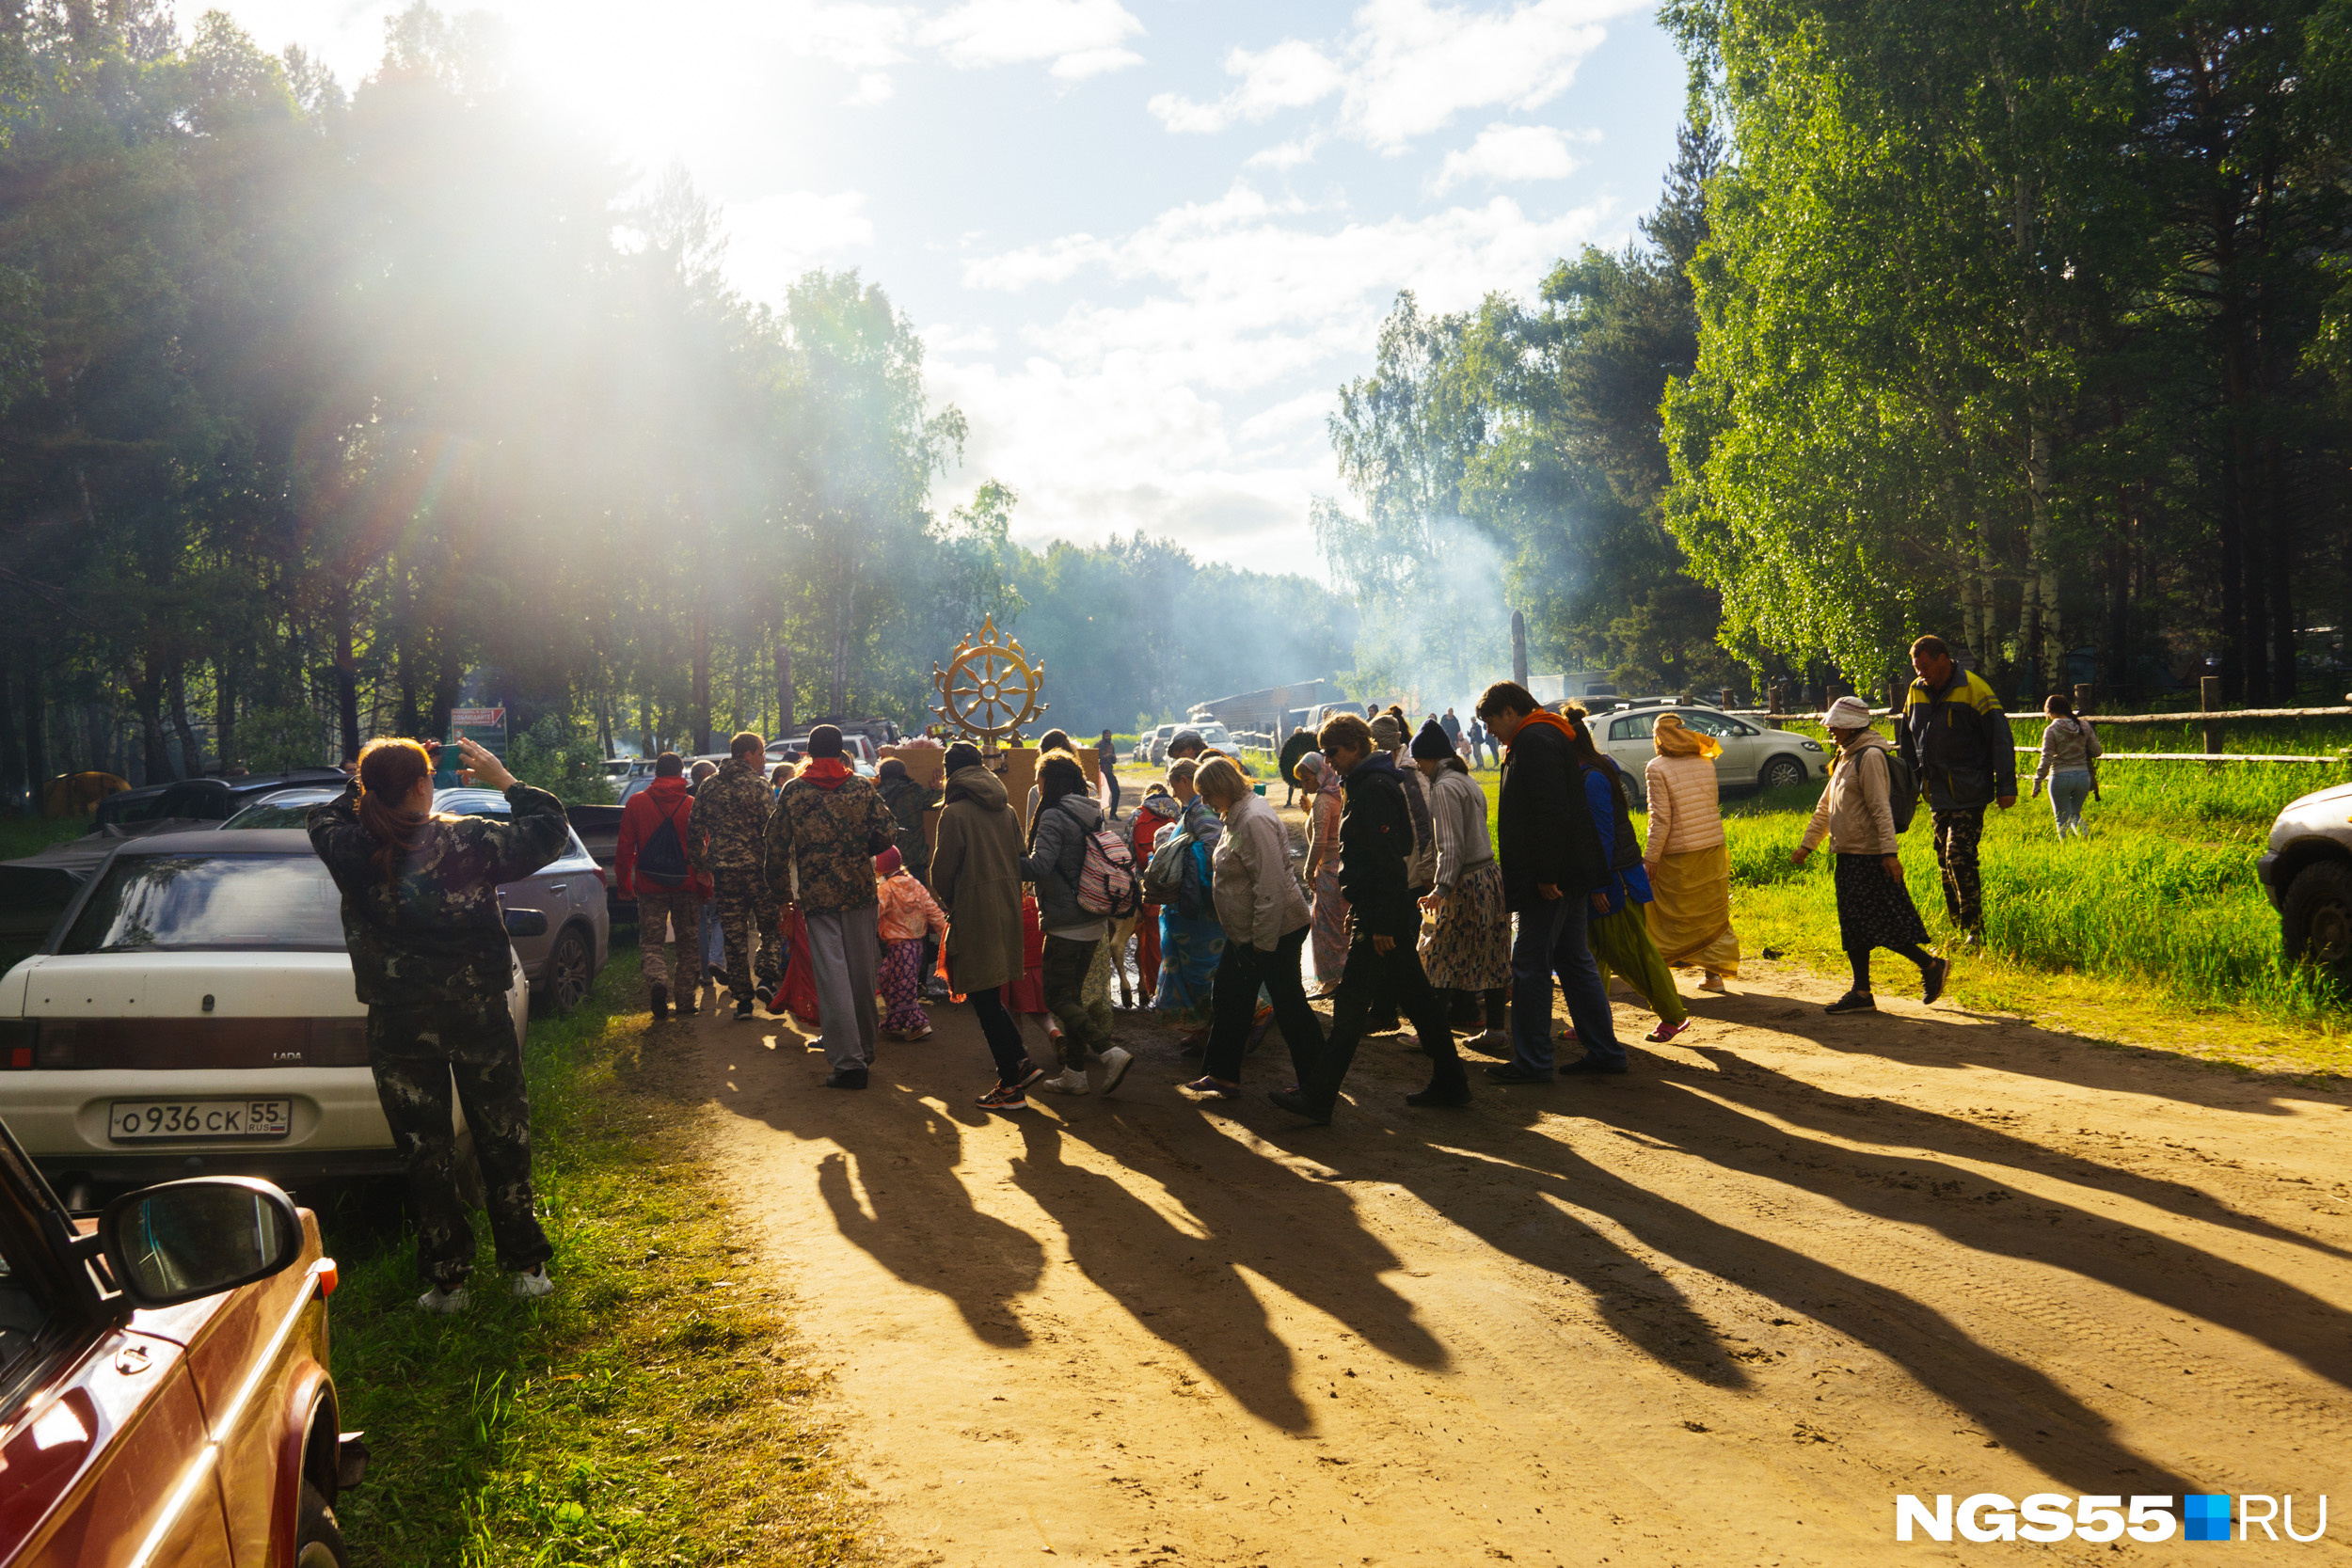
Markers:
point(989, 689)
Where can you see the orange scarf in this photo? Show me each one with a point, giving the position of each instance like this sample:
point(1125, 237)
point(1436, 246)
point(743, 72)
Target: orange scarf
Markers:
point(1541, 716)
point(825, 772)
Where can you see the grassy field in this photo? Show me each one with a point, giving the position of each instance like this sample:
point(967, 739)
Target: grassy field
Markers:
point(650, 1413)
point(2156, 928)
point(26, 835)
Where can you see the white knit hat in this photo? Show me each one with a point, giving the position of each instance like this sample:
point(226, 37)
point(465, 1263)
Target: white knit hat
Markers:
point(1847, 713)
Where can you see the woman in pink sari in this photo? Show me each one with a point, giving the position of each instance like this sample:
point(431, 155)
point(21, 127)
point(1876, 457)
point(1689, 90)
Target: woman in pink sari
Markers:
point(1323, 803)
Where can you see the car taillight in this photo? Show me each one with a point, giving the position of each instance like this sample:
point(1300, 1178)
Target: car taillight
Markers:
point(20, 1038)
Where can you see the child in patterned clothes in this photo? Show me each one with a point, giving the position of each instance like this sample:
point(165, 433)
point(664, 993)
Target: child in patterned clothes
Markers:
point(908, 911)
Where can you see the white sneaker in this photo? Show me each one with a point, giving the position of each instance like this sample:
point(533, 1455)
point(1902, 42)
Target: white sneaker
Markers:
point(444, 1304)
point(535, 1283)
point(1070, 1082)
point(1115, 1065)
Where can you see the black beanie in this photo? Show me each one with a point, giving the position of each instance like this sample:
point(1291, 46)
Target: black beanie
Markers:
point(825, 741)
point(962, 754)
point(1431, 745)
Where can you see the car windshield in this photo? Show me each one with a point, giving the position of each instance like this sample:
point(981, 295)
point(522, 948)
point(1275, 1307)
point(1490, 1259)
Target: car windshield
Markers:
point(173, 903)
point(281, 811)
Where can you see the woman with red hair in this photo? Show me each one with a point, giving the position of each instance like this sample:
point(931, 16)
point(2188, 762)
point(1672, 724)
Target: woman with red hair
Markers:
point(431, 958)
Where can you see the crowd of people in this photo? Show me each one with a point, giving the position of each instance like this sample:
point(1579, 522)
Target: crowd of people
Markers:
point(810, 889)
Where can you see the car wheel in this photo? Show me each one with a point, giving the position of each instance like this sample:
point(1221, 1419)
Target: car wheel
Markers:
point(318, 1539)
point(568, 973)
point(2316, 918)
point(1782, 773)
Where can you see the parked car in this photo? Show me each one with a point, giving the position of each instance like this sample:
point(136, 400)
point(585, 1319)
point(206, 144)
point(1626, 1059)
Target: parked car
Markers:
point(1154, 745)
point(1768, 759)
point(561, 964)
point(598, 831)
point(2306, 871)
point(165, 1393)
point(207, 800)
point(194, 1011)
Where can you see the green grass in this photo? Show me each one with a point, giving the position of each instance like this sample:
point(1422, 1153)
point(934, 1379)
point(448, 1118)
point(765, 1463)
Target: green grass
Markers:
point(2162, 903)
point(645, 1415)
point(26, 835)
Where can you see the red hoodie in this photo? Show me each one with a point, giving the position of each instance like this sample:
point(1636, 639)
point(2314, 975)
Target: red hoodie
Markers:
point(640, 817)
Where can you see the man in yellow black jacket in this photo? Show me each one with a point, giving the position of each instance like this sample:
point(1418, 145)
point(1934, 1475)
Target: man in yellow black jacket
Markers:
point(1958, 742)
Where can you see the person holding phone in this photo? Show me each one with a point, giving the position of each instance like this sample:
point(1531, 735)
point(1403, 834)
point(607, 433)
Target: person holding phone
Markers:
point(431, 959)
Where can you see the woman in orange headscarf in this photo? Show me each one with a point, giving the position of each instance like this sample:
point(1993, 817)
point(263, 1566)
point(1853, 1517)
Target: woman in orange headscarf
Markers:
point(1689, 863)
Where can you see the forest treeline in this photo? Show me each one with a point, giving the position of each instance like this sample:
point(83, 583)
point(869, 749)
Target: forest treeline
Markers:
point(315, 405)
point(2028, 324)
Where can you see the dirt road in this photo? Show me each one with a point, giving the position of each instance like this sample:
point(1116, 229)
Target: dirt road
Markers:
point(1718, 1311)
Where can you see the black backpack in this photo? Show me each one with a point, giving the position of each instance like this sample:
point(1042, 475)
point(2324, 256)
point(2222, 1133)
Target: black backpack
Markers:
point(662, 859)
point(1902, 787)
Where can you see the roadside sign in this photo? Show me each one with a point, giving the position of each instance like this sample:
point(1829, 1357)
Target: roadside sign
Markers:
point(484, 726)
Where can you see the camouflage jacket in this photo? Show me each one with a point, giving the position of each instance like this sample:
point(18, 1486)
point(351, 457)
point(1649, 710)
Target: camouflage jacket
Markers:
point(728, 830)
point(832, 831)
point(908, 803)
point(434, 932)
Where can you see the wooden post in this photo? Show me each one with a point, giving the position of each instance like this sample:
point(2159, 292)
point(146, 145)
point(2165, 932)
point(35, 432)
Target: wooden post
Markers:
point(2082, 698)
point(783, 692)
point(1518, 647)
point(2209, 700)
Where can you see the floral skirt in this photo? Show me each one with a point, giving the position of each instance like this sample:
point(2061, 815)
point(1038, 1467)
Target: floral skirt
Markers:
point(1469, 948)
point(1873, 908)
point(1189, 951)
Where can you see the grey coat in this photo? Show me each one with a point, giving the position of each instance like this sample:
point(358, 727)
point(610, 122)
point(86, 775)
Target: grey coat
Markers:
point(1258, 901)
point(1057, 851)
point(976, 876)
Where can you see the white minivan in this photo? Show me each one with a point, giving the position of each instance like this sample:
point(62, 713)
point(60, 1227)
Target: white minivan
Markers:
point(192, 1012)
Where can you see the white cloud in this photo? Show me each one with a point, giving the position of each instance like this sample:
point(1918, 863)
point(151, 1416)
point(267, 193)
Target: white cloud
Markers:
point(860, 37)
point(1082, 38)
point(1290, 75)
point(1183, 389)
point(1408, 67)
point(1288, 154)
point(873, 86)
point(1510, 153)
point(771, 240)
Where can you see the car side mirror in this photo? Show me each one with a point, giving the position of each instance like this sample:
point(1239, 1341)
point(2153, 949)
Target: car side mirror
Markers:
point(526, 923)
point(198, 1237)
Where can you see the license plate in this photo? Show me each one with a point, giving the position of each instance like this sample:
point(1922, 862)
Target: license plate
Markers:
point(130, 1121)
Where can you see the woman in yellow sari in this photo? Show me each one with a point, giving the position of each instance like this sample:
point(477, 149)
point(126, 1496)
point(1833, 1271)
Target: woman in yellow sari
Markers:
point(1689, 863)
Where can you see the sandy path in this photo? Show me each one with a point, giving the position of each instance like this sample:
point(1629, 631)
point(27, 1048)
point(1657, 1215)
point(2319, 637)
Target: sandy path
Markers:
point(1721, 1310)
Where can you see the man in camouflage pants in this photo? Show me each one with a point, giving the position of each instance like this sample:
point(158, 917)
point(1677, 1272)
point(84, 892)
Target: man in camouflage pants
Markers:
point(728, 839)
point(414, 1051)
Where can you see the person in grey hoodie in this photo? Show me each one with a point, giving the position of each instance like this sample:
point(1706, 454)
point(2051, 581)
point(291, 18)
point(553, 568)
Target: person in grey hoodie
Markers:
point(1265, 920)
point(1065, 814)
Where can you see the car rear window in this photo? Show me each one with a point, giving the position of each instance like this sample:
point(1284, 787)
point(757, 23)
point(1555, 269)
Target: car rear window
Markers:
point(166, 903)
point(280, 812)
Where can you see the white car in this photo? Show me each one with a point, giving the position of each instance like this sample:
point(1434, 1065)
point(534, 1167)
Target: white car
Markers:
point(562, 961)
point(192, 1012)
point(1154, 745)
point(1769, 759)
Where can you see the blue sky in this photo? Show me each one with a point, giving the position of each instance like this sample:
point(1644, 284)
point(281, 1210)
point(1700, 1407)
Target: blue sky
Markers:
point(1145, 240)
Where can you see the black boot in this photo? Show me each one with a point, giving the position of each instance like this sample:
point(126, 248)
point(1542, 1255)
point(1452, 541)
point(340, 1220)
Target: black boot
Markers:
point(687, 1006)
point(662, 1003)
point(1446, 1087)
